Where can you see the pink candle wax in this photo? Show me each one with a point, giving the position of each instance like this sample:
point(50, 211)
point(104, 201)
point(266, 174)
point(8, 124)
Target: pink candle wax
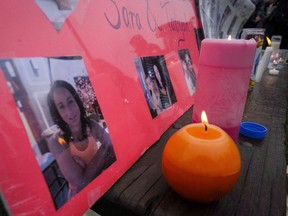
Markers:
point(223, 81)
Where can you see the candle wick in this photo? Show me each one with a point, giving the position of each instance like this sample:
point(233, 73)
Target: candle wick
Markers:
point(206, 128)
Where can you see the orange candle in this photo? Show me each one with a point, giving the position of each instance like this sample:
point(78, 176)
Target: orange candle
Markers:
point(201, 162)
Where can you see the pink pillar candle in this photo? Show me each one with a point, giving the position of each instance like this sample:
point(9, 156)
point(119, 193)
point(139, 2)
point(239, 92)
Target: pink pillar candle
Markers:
point(223, 81)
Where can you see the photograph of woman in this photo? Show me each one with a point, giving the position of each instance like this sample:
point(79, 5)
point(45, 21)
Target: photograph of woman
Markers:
point(156, 83)
point(63, 120)
point(189, 74)
point(81, 147)
point(156, 105)
point(164, 93)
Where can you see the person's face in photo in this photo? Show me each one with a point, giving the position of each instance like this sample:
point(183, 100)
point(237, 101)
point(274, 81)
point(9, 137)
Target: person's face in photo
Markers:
point(151, 84)
point(67, 106)
point(157, 73)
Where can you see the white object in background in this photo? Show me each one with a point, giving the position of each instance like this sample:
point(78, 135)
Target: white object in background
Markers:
point(276, 41)
point(225, 17)
point(275, 45)
point(273, 72)
point(263, 63)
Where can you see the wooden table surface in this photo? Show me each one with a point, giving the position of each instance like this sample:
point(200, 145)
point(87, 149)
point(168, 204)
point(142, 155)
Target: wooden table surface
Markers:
point(260, 190)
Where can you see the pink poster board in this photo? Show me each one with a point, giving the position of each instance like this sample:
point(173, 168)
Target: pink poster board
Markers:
point(120, 57)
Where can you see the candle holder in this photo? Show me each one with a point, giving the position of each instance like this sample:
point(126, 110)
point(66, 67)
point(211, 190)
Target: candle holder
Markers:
point(201, 162)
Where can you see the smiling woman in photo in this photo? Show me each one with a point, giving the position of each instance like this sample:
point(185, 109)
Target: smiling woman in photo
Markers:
point(82, 148)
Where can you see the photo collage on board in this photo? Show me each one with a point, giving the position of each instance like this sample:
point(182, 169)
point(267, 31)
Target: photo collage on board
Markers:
point(51, 106)
point(66, 92)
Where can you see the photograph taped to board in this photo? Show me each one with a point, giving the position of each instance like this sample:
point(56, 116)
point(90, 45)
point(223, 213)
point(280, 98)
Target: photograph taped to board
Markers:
point(188, 69)
point(156, 83)
point(63, 121)
point(57, 11)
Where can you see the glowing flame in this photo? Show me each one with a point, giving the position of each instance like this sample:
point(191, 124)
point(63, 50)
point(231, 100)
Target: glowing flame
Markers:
point(62, 141)
point(268, 41)
point(229, 37)
point(204, 118)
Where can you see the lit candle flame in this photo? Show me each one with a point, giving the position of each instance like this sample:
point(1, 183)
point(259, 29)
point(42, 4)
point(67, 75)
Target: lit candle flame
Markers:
point(204, 118)
point(229, 37)
point(268, 40)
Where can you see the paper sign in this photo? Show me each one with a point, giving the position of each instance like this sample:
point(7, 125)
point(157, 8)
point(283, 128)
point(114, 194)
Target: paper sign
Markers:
point(104, 50)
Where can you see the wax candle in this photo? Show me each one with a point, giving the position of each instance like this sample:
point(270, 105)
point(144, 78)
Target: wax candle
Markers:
point(201, 162)
point(223, 81)
point(264, 61)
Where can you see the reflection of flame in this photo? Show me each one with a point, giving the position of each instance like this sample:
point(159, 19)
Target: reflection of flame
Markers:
point(62, 141)
point(268, 41)
point(229, 37)
point(204, 118)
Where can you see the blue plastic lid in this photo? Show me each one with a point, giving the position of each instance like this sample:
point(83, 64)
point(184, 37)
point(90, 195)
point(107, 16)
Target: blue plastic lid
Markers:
point(253, 130)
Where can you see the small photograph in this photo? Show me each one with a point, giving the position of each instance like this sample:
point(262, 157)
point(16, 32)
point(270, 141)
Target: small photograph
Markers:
point(57, 11)
point(188, 70)
point(156, 83)
point(63, 121)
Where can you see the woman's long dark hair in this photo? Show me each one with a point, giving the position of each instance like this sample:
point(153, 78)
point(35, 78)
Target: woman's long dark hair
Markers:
point(56, 116)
